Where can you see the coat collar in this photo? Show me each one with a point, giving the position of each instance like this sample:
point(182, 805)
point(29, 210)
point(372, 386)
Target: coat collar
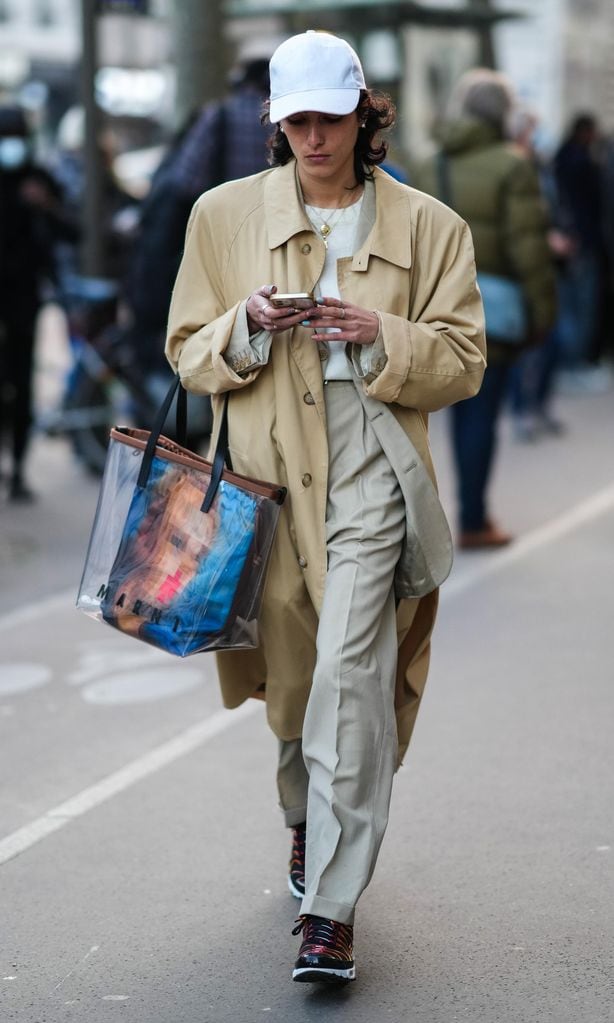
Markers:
point(385, 217)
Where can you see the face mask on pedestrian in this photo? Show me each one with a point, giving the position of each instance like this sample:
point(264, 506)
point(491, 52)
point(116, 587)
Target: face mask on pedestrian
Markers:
point(13, 152)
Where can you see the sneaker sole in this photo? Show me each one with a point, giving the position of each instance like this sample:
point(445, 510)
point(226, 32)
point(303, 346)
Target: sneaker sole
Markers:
point(307, 974)
point(298, 894)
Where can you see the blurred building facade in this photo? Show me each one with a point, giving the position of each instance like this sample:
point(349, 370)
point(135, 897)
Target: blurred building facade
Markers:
point(558, 52)
point(560, 56)
point(41, 45)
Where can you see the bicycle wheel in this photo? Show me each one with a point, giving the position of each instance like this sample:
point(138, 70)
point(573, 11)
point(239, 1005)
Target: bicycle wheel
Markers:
point(91, 409)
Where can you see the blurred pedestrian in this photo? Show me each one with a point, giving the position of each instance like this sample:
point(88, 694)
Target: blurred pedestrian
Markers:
point(331, 399)
point(607, 191)
point(223, 141)
point(495, 188)
point(32, 219)
point(579, 181)
point(533, 376)
point(117, 206)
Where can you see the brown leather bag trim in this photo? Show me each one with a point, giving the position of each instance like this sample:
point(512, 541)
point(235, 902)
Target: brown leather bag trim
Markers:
point(173, 452)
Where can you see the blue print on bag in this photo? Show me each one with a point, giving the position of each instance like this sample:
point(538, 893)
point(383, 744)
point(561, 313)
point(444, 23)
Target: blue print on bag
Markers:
point(177, 570)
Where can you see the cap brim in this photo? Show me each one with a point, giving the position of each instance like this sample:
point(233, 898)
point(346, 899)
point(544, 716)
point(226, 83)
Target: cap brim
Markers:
point(324, 101)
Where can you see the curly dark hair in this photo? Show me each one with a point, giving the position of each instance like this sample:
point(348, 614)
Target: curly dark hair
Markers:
point(375, 111)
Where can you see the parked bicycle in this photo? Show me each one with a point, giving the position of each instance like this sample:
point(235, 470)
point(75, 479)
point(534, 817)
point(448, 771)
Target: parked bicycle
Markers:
point(106, 384)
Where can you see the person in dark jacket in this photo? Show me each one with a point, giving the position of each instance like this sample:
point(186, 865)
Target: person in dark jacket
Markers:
point(222, 141)
point(533, 377)
point(578, 176)
point(32, 219)
point(495, 188)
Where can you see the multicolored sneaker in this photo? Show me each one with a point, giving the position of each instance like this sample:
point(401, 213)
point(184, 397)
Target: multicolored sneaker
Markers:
point(326, 952)
point(296, 876)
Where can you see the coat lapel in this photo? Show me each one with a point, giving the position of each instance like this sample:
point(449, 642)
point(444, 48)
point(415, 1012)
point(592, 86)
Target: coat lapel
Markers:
point(384, 229)
point(284, 211)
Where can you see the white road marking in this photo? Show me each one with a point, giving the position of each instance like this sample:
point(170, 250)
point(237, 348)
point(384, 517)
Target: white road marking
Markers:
point(143, 686)
point(114, 652)
point(32, 612)
point(119, 781)
point(495, 561)
point(206, 730)
point(22, 677)
point(93, 949)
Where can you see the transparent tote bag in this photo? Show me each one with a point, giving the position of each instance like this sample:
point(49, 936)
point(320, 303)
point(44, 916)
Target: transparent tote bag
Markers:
point(179, 547)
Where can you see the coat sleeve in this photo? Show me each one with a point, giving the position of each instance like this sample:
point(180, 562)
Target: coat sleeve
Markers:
point(200, 326)
point(437, 356)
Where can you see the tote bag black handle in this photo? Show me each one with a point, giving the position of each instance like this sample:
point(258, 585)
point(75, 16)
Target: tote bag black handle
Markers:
point(221, 457)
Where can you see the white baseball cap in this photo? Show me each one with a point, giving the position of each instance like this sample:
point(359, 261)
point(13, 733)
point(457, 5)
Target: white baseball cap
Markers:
point(314, 71)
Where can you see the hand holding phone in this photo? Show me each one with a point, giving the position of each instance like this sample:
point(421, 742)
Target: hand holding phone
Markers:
point(293, 300)
point(268, 310)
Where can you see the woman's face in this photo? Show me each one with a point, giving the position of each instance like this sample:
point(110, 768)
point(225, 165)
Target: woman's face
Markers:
point(323, 145)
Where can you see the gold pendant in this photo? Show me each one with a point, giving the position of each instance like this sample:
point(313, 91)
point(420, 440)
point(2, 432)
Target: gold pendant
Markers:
point(325, 230)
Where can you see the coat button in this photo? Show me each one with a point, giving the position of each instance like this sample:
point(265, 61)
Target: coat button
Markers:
point(309, 399)
point(306, 479)
point(306, 249)
point(302, 561)
point(323, 354)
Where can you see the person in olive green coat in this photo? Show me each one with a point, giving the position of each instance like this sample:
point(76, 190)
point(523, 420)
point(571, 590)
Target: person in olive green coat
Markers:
point(495, 189)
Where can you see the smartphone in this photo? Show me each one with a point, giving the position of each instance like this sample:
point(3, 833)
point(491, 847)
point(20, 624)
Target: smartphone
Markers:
point(296, 300)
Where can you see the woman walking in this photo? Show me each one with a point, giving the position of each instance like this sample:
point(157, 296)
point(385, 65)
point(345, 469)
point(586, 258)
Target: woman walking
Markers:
point(330, 398)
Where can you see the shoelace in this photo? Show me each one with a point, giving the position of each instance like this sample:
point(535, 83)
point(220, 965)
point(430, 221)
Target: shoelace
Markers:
point(325, 937)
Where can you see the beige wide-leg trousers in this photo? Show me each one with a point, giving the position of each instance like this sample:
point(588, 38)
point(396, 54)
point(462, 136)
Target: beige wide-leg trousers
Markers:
point(339, 776)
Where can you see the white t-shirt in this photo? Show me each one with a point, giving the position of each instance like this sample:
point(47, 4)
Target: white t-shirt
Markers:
point(340, 244)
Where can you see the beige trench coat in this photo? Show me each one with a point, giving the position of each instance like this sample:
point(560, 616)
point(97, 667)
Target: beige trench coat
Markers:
point(416, 269)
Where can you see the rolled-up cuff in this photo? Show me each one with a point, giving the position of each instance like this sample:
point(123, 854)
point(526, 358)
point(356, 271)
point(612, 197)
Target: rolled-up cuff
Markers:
point(370, 360)
point(244, 352)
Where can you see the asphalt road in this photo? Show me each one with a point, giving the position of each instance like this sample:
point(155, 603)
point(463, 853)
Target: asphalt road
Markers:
point(141, 849)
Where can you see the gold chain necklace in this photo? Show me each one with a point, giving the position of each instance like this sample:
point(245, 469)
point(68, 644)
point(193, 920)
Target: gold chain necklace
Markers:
point(326, 226)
